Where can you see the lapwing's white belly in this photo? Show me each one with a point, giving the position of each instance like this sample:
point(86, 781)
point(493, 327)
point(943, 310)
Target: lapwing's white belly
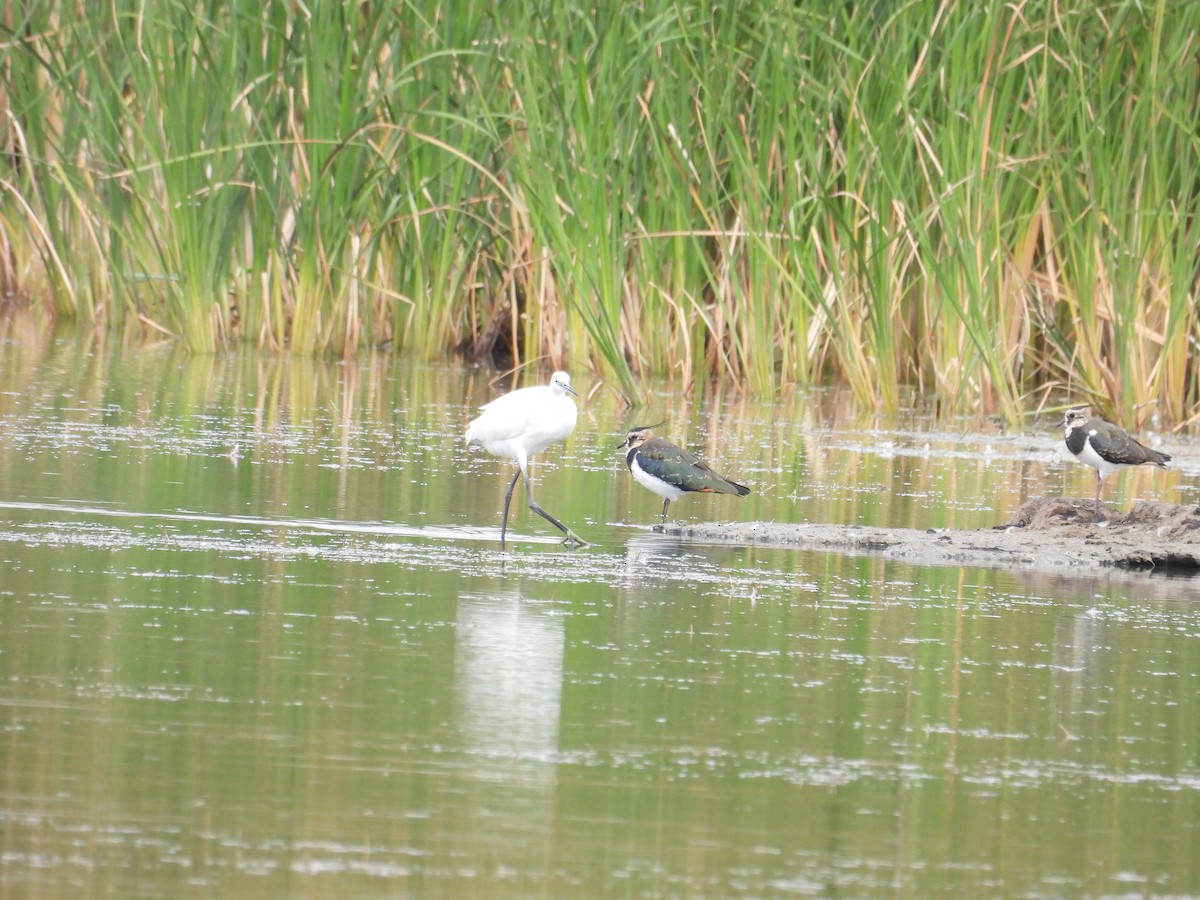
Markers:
point(1090, 457)
point(660, 487)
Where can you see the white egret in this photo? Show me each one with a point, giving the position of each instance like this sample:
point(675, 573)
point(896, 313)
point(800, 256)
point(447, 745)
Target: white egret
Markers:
point(522, 423)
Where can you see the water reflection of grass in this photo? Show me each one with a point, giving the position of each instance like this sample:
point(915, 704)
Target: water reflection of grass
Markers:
point(991, 203)
point(383, 433)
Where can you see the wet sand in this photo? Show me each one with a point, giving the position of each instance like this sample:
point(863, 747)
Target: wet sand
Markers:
point(1044, 533)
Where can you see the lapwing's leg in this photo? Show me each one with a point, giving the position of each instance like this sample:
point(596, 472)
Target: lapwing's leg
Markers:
point(666, 503)
point(507, 500)
point(1099, 485)
point(571, 537)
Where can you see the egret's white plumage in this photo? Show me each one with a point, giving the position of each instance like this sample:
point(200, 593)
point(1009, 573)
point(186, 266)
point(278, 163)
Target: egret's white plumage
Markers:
point(527, 421)
point(521, 424)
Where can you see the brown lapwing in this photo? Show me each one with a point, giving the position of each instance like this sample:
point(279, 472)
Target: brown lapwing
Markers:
point(522, 423)
point(1104, 446)
point(671, 471)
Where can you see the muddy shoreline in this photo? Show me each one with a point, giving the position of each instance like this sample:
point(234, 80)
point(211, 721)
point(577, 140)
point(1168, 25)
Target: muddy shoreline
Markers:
point(1044, 533)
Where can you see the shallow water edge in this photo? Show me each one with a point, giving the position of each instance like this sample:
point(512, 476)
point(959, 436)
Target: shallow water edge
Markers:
point(1045, 533)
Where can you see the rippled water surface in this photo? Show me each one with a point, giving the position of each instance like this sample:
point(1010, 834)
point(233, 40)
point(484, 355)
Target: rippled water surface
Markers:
point(257, 639)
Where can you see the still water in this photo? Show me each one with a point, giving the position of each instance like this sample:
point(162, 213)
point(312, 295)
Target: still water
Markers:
point(257, 639)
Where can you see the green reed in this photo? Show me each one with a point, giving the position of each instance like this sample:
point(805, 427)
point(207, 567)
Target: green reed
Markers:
point(993, 202)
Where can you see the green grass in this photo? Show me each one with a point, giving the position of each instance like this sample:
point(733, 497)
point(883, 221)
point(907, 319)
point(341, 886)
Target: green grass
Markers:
point(993, 202)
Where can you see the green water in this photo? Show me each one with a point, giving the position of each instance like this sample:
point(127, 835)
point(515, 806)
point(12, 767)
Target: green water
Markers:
point(257, 639)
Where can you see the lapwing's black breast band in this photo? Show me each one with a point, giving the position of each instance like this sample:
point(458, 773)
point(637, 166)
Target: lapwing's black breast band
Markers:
point(1076, 438)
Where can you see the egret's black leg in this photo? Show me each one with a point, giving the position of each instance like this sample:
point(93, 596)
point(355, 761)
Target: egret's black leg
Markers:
point(572, 537)
point(507, 500)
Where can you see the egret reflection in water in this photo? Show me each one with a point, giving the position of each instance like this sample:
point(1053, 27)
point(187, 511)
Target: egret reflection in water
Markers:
point(508, 672)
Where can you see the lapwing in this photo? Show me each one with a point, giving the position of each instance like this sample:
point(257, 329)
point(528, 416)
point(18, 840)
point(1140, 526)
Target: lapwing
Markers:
point(671, 471)
point(522, 423)
point(1104, 446)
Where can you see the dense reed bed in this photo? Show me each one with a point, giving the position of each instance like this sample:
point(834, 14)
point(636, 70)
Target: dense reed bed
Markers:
point(993, 202)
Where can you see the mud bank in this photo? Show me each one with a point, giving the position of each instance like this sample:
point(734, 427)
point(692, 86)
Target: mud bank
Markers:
point(1044, 533)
